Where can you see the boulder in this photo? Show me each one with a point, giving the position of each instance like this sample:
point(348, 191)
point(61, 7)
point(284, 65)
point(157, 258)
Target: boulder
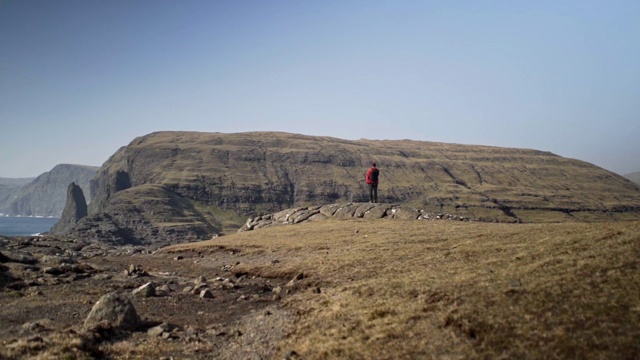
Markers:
point(113, 310)
point(146, 290)
point(405, 212)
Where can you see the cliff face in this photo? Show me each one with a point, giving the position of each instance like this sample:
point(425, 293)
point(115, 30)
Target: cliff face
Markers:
point(75, 209)
point(256, 173)
point(46, 195)
point(9, 188)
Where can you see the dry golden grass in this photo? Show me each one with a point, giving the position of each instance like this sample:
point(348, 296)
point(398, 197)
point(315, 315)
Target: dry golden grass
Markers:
point(449, 290)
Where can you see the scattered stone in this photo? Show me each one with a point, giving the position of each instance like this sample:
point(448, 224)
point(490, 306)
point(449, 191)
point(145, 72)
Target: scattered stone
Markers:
point(145, 291)
point(113, 310)
point(163, 290)
point(52, 270)
point(160, 329)
point(200, 280)
point(187, 289)
point(206, 294)
point(136, 271)
point(179, 257)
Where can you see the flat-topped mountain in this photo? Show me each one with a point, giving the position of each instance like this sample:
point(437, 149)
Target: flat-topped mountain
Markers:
point(46, 194)
point(219, 179)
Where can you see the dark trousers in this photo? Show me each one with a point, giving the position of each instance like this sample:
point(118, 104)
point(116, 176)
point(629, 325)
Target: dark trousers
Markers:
point(373, 193)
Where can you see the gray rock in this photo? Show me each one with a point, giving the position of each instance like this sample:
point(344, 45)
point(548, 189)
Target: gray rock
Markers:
point(377, 212)
point(329, 210)
point(200, 280)
point(362, 209)
point(56, 260)
point(206, 294)
point(115, 311)
point(52, 270)
point(146, 290)
point(405, 212)
point(347, 211)
point(159, 330)
point(187, 289)
point(163, 290)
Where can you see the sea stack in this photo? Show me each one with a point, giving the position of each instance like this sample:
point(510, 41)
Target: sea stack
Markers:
point(74, 210)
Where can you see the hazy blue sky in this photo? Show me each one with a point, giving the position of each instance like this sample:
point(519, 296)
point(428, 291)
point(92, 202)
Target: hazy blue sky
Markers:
point(79, 79)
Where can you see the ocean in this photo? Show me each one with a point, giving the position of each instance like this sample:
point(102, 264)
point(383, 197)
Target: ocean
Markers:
point(25, 226)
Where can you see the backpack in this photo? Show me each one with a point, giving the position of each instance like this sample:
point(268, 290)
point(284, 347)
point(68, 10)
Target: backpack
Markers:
point(374, 175)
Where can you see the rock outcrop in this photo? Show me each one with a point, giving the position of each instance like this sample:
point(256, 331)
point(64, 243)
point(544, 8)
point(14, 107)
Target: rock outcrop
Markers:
point(45, 196)
point(345, 211)
point(74, 210)
point(146, 215)
point(223, 178)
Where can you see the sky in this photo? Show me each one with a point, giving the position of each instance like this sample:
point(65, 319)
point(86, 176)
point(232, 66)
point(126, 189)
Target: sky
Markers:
point(80, 79)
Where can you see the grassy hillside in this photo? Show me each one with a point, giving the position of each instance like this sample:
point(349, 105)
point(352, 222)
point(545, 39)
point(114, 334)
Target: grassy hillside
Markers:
point(449, 290)
point(253, 173)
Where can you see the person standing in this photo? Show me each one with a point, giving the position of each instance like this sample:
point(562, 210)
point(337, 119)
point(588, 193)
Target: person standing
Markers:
point(372, 180)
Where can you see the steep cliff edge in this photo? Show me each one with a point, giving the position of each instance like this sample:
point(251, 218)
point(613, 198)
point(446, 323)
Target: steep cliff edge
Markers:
point(46, 195)
point(262, 172)
point(8, 189)
point(75, 209)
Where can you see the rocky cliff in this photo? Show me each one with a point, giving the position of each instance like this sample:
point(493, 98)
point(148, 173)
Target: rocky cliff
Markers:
point(46, 195)
point(75, 209)
point(9, 187)
point(258, 173)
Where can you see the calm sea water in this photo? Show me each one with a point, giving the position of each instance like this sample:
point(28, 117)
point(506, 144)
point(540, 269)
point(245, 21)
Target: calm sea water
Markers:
point(24, 226)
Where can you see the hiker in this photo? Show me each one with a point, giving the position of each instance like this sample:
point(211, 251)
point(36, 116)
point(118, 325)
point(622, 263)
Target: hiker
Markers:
point(372, 181)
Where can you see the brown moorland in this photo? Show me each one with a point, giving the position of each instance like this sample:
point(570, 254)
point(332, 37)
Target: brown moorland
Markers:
point(416, 289)
point(363, 289)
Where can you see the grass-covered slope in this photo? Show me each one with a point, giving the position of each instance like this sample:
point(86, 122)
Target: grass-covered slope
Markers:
point(263, 172)
point(381, 289)
point(226, 177)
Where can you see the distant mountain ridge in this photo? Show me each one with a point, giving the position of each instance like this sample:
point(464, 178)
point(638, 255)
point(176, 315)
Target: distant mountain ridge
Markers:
point(46, 194)
point(219, 179)
point(635, 177)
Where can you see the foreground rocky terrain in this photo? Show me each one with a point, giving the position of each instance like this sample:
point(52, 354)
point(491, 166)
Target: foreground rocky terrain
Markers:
point(191, 304)
point(340, 288)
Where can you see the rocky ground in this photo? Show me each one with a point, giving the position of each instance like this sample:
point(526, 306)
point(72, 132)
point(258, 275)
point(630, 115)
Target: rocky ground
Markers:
point(186, 304)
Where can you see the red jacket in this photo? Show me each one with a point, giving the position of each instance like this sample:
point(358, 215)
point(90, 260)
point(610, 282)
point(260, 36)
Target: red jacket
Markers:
point(369, 179)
